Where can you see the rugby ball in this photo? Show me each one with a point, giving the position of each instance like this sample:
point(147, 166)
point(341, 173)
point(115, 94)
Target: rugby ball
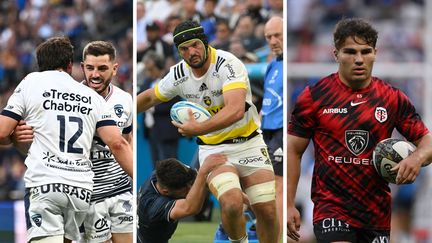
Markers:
point(388, 153)
point(179, 112)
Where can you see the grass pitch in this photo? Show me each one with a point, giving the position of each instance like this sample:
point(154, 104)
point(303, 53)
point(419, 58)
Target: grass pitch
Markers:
point(195, 232)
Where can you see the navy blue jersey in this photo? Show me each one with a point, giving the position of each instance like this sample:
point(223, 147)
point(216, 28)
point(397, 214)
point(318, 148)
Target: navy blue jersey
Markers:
point(154, 223)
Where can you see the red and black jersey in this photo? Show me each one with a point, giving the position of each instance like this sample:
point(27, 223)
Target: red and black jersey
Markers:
point(345, 125)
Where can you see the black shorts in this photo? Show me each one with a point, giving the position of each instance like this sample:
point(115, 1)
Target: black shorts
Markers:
point(331, 229)
point(274, 141)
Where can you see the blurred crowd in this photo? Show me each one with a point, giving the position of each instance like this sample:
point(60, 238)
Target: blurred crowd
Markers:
point(230, 25)
point(400, 24)
point(26, 23)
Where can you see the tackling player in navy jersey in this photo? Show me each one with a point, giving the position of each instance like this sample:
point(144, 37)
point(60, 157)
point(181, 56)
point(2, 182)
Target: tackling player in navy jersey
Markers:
point(346, 114)
point(173, 191)
point(65, 115)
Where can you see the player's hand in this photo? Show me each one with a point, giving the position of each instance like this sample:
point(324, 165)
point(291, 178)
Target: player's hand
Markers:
point(212, 162)
point(23, 133)
point(293, 223)
point(190, 128)
point(407, 170)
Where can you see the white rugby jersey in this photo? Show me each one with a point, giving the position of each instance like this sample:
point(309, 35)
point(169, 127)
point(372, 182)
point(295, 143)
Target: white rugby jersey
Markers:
point(226, 72)
point(110, 179)
point(64, 115)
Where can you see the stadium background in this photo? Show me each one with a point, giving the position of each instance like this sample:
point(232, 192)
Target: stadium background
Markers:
point(23, 25)
point(404, 58)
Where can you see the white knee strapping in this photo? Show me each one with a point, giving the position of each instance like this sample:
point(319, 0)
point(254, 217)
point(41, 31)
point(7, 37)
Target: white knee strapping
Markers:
point(49, 239)
point(263, 192)
point(224, 182)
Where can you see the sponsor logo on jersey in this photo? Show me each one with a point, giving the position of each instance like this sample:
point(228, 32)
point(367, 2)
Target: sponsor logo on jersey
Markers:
point(335, 111)
point(64, 101)
point(179, 75)
point(334, 225)
point(17, 91)
point(203, 87)
point(356, 141)
point(232, 74)
point(381, 239)
point(216, 93)
point(219, 62)
point(381, 114)
point(77, 192)
point(215, 109)
point(101, 225)
point(192, 96)
point(349, 160)
point(125, 219)
point(37, 219)
point(207, 100)
point(251, 160)
point(127, 206)
point(178, 71)
point(357, 103)
point(118, 109)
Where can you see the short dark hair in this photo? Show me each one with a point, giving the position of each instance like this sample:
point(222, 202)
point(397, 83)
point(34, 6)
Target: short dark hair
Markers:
point(354, 27)
point(173, 174)
point(54, 53)
point(99, 48)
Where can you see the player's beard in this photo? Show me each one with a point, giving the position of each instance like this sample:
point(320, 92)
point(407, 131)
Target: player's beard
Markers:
point(101, 87)
point(197, 65)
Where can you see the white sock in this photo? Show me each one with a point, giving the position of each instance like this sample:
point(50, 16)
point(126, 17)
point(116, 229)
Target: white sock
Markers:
point(244, 239)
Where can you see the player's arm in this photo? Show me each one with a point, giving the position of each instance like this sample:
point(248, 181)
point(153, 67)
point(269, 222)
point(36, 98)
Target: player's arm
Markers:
point(232, 112)
point(194, 200)
point(295, 149)
point(409, 168)
point(119, 147)
point(22, 137)
point(8, 124)
point(146, 100)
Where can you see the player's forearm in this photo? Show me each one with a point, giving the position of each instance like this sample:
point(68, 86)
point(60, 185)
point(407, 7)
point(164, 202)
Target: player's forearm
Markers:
point(122, 152)
point(146, 100)
point(424, 150)
point(293, 176)
point(195, 198)
point(224, 118)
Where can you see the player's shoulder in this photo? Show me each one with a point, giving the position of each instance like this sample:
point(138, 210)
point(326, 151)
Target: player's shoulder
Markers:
point(178, 71)
point(221, 55)
point(383, 85)
point(120, 92)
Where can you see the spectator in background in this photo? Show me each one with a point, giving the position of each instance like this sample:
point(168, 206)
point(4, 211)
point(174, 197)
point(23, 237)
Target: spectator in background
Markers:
point(223, 35)
point(157, 44)
point(210, 19)
point(272, 107)
point(171, 22)
point(189, 11)
point(162, 134)
point(236, 47)
point(245, 31)
point(141, 33)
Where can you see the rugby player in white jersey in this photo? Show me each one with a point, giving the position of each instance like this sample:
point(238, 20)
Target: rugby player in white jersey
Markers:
point(110, 215)
point(218, 81)
point(64, 115)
